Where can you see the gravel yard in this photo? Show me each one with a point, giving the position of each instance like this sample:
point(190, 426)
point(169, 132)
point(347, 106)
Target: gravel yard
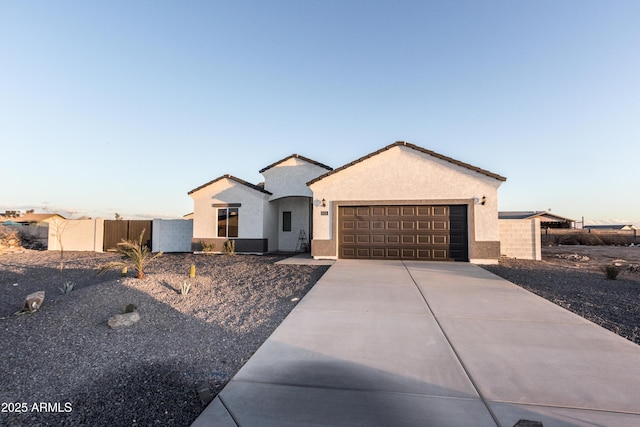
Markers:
point(86, 373)
point(67, 358)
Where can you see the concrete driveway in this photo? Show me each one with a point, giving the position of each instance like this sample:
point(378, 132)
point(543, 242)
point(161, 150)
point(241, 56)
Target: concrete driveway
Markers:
point(395, 343)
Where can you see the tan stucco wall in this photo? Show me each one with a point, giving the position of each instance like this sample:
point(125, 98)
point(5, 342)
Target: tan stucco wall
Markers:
point(402, 174)
point(290, 178)
point(250, 214)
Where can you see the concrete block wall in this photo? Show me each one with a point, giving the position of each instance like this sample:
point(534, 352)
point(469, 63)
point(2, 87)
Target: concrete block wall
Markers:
point(172, 235)
point(520, 238)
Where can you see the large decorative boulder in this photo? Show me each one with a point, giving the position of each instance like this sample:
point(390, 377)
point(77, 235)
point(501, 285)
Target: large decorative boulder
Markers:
point(33, 302)
point(123, 320)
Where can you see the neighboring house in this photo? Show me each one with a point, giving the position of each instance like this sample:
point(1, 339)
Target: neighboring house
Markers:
point(612, 227)
point(36, 219)
point(400, 202)
point(547, 219)
point(36, 225)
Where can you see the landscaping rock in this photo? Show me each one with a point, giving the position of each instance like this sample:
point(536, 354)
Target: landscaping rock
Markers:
point(124, 320)
point(33, 302)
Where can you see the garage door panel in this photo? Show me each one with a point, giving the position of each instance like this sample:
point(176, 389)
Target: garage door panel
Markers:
point(424, 239)
point(348, 212)
point(363, 238)
point(439, 254)
point(378, 253)
point(348, 238)
point(393, 211)
point(363, 225)
point(424, 254)
point(424, 225)
point(421, 232)
point(408, 211)
point(439, 240)
point(348, 252)
point(408, 239)
point(424, 211)
point(362, 211)
point(439, 225)
point(378, 210)
point(440, 211)
point(408, 253)
point(393, 253)
point(363, 253)
point(408, 225)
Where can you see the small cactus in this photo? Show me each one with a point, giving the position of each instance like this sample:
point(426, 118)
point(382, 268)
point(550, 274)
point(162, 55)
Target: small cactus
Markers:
point(611, 271)
point(124, 272)
point(192, 271)
point(67, 287)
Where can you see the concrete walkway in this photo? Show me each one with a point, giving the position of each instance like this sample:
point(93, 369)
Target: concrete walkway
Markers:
point(431, 344)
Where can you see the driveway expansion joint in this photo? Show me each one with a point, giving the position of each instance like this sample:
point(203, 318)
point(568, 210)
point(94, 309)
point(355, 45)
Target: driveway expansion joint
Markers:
point(484, 401)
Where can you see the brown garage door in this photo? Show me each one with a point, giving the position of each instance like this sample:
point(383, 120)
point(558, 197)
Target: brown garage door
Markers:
point(435, 233)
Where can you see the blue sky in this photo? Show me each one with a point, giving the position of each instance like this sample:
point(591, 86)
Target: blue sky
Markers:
point(125, 106)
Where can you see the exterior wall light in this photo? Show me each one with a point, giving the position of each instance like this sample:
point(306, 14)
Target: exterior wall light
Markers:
point(324, 203)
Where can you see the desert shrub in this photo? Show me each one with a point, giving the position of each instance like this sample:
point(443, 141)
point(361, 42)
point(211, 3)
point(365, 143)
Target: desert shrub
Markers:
point(9, 237)
point(580, 239)
point(134, 254)
point(229, 247)
point(30, 241)
point(612, 239)
point(207, 247)
point(611, 271)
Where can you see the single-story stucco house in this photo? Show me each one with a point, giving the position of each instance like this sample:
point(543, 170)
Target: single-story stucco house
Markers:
point(400, 202)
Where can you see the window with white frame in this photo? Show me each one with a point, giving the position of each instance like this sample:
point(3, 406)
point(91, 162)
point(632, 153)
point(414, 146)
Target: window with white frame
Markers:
point(227, 222)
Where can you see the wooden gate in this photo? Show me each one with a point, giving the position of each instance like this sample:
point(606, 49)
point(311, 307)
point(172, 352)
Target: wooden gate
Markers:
point(116, 230)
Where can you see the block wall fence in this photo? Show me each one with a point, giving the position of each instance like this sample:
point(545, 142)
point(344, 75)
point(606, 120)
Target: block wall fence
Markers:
point(168, 235)
point(520, 238)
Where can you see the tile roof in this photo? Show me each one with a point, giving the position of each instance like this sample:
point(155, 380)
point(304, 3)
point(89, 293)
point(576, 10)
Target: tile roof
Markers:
point(415, 147)
point(233, 178)
point(297, 156)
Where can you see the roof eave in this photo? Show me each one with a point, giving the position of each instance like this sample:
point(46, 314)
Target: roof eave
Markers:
point(296, 156)
point(419, 149)
point(232, 178)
